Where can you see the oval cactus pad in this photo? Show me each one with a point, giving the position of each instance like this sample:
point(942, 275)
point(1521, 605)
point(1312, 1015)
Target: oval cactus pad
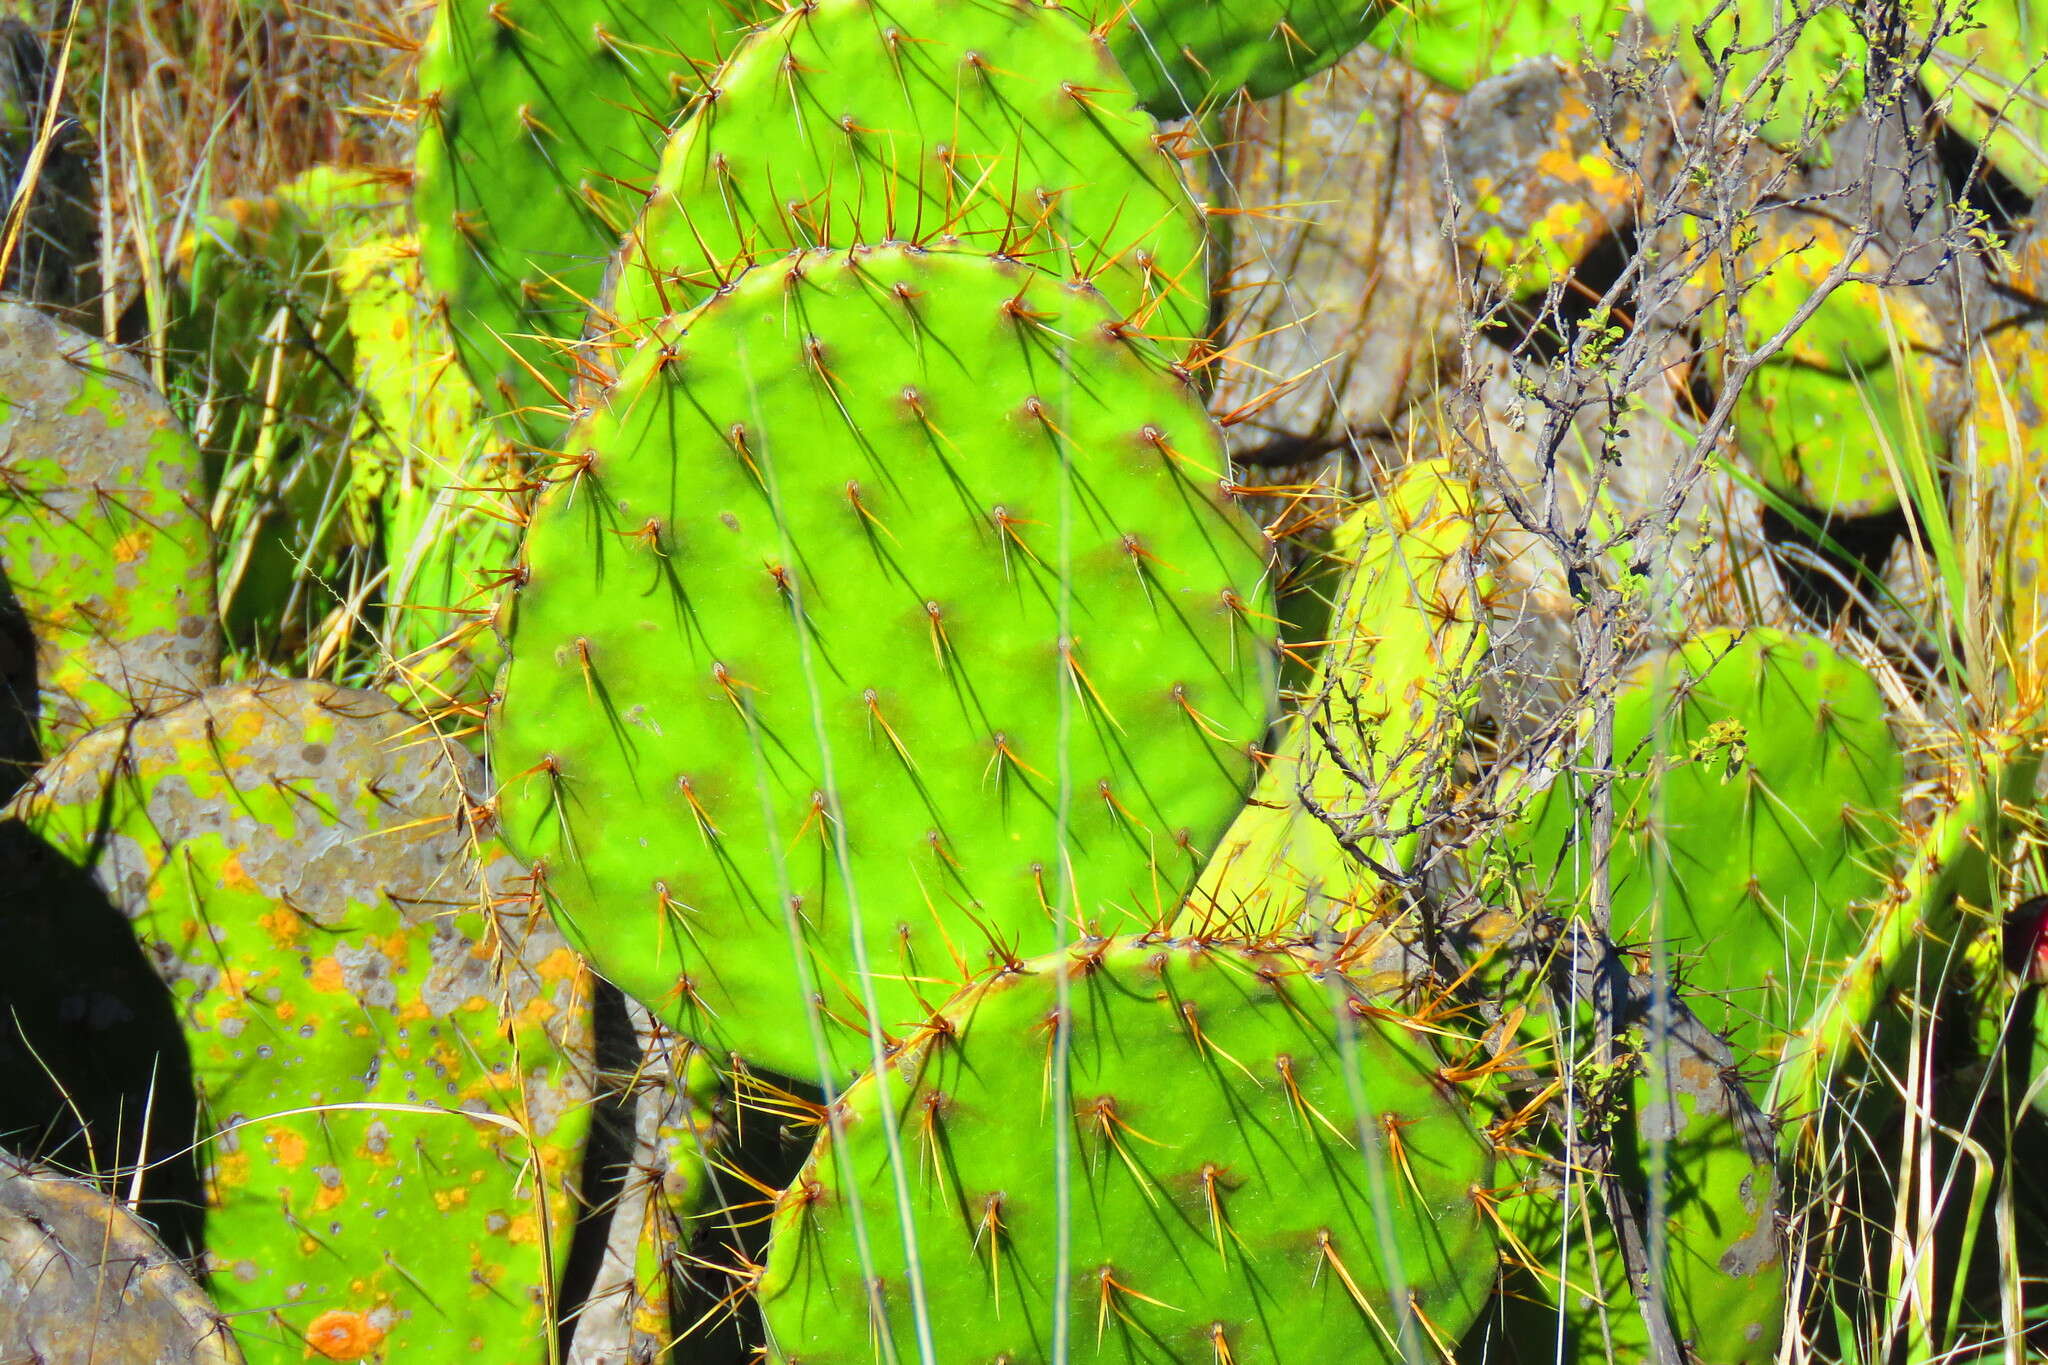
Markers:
point(391, 1049)
point(1001, 126)
point(103, 532)
point(891, 606)
point(1228, 1155)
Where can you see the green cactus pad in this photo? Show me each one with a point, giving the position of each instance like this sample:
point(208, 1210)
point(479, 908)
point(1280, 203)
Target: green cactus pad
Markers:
point(1385, 708)
point(1825, 420)
point(1032, 654)
point(538, 117)
point(1249, 1165)
point(390, 1046)
point(1188, 56)
point(1459, 43)
point(1000, 126)
point(1754, 816)
point(103, 533)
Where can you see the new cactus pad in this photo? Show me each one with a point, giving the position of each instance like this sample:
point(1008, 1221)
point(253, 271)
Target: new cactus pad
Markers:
point(1139, 1150)
point(891, 606)
point(1754, 813)
point(851, 121)
point(1373, 737)
point(538, 118)
point(390, 1048)
point(103, 532)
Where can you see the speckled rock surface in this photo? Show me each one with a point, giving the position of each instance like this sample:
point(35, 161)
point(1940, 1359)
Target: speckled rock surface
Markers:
point(82, 1279)
point(390, 1047)
point(1346, 262)
point(103, 534)
point(1538, 183)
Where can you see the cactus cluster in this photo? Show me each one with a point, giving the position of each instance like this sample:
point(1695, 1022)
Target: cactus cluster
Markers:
point(672, 730)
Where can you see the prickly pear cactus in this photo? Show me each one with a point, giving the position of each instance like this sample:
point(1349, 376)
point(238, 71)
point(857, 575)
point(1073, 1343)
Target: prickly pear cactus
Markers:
point(1459, 43)
point(450, 486)
point(103, 533)
point(537, 117)
point(1987, 71)
point(1139, 1150)
point(82, 1278)
point(1372, 740)
point(1829, 419)
point(391, 1047)
point(999, 126)
point(1754, 817)
point(845, 651)
point(1190, 56)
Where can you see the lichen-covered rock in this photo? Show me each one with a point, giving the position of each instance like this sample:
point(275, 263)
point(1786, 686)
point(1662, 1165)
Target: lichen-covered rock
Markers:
point(103, 531)
point(389, 1042)
point(83, 1279)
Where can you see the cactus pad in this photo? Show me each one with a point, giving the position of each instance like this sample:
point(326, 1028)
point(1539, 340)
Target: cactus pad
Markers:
point(997, 125)
point(103, 536)
point(1760, 786)
point(1243, 1164)
point(1825, 419)
point(538, 116)
point(82, 1278)
point(1188, 56)
point(1378, 727)
point(890, 605)
point(385, 1040)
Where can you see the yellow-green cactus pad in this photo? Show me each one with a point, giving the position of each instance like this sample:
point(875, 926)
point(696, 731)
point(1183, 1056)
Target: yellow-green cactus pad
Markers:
point(389, 1043)
point(1988, 67)
point(892, 606)
point(1826, 420)
point(999, 126)
point(1459, 43)
point(1140, 1150)
point(103, 532)
point(1368, 749)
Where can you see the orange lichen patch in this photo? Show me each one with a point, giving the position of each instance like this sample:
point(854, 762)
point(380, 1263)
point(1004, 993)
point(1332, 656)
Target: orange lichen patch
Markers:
point(284, 927)
point(233, 876)
point(329, 1196)
point(445, 1200)
point(342, 1334)
point(560, 965)
point(397, 945)
point(524, 1230)
point(327, 975)
point(131, 547)
point(287, 1148)
point(230, 1172)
